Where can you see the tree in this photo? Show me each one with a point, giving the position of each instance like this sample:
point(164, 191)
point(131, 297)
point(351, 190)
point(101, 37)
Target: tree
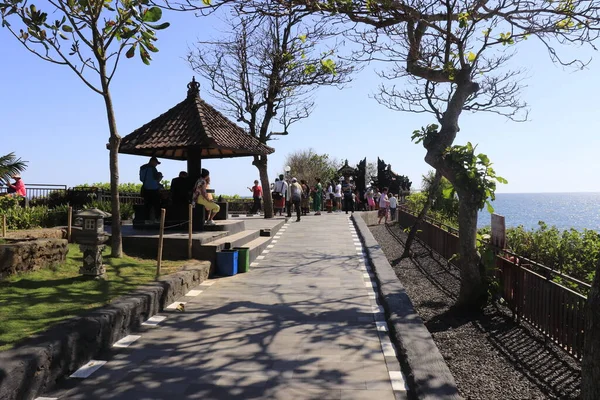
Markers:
point(430, 189)
point(266, 71)
point(454, 55)
point(438, 195)
point(308, 165)
point(10, 165)
point(89, 37)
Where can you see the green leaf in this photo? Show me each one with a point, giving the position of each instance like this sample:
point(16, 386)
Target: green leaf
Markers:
point(152, 15)
point(471, 56)
point(302, 38)
point(67, 28)
point(310, 69)
point(447, 192)
point(501, 180)
point(489, 207)
point(206, 2)
point(485, 160)
point(128, 33)
point(131, 52)
point(164, 25)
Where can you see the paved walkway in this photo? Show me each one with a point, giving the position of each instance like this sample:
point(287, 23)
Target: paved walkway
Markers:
point(301, 325)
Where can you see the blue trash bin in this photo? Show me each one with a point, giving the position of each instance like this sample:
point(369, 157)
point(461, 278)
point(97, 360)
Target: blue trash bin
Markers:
point(227, 262)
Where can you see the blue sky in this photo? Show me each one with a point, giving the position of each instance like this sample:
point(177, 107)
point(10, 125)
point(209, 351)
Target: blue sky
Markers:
point(51, 119)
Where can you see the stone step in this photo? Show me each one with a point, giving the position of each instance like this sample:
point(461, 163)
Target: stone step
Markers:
point(257, 246)
point(235, 240)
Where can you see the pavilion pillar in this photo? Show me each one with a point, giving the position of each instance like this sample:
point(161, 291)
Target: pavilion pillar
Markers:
point(194, 162)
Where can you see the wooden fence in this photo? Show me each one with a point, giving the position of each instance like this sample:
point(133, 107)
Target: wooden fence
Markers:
point(528, 288)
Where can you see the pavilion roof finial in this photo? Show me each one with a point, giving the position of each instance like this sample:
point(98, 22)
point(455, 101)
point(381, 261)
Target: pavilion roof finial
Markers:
point(193, 87)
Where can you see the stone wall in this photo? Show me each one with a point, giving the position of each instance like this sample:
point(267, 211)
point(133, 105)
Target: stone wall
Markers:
point(37, 363)
point(31, 255)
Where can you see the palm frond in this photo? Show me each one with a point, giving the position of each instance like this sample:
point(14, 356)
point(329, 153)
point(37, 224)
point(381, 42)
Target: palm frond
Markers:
point(10, 165)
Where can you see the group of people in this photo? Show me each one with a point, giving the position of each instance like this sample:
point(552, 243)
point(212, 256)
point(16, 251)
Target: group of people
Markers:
point(183, 191)
point(289, 196)
point(341, 196)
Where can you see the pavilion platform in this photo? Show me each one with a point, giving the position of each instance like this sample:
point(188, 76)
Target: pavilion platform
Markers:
point(235, 232)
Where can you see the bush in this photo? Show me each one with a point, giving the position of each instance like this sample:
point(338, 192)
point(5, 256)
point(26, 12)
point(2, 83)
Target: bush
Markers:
point(54, 199)
point(35, 217)
point(572, 252)
point(416, 201)
point(126, 209)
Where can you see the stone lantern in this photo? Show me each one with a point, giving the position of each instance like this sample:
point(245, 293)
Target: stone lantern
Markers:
point(91, 240)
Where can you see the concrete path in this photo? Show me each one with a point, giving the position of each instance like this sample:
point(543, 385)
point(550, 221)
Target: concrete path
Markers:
point(303, 324)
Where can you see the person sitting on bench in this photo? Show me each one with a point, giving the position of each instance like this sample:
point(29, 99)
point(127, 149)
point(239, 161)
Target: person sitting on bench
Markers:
point(201, 197)
point(181, 190)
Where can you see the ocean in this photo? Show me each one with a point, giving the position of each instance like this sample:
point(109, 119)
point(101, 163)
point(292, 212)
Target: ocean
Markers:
point(564, 210)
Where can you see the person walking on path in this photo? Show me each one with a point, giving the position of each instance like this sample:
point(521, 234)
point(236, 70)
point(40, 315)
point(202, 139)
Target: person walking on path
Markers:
point(149, 176)
point(370, 200)
point(376, 197)
point(305, 201)
point(393, 206)
point(348, 188)
point(384, 203)
point(257, 196)
point(318, 197)
point(288, 199)
point(201, 197)
point(279, 194)
point(295, 198)
point(338, 197)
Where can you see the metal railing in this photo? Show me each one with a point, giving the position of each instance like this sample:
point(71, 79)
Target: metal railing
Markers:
point(40, 191)
point(527, 287)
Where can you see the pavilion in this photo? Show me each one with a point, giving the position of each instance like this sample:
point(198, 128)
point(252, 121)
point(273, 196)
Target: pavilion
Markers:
point(191, 131)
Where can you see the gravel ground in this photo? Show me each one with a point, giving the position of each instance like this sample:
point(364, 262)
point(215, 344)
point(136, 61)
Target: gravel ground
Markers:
point(490, 356)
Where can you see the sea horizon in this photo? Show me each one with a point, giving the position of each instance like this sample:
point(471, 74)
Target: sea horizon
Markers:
point(565, 210)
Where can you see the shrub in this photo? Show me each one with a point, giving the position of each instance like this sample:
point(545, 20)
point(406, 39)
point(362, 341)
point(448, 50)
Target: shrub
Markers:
point(126, 209)
point(572, 252)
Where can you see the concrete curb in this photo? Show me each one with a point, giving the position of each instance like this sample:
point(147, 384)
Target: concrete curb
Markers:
point(35, 365)
point(428, 375)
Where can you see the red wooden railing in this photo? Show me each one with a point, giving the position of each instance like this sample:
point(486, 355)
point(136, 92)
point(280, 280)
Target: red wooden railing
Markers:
point(526, 286)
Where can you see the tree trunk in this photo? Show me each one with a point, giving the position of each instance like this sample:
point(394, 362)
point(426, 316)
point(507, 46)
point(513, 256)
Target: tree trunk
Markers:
point(413, 230)
point(590, 368)
point(114, 143)
point(472, 289)
point(261, 164)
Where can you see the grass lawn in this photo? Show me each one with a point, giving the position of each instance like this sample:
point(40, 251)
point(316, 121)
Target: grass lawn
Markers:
point(31, 302)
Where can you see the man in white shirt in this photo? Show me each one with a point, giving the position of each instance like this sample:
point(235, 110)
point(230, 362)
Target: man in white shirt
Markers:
point(393, 205)
point(280, 188)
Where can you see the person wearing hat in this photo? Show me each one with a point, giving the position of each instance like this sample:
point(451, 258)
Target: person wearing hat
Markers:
point(18, 187)
point(150, 178)
point(296, 197)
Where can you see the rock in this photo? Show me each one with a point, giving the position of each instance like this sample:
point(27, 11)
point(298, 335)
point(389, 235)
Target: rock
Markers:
point(31, 255)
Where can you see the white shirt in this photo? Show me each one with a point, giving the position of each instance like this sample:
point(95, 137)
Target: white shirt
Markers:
point(280, 187)
point(383, 200)
point(338, 190)
point(393, 202)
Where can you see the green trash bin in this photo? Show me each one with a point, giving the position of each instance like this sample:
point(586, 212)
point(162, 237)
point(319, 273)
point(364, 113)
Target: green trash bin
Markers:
point(243, 258)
